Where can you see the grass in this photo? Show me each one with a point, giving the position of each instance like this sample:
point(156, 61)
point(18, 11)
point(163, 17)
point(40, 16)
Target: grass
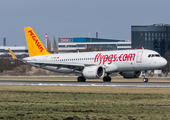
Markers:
point(100, 103)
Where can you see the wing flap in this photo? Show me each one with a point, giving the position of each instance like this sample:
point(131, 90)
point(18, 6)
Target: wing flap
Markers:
point(52, 63)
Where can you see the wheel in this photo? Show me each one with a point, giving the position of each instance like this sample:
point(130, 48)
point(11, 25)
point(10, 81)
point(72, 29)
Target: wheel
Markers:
point(145, 79)
point(81, 79)
point(107, 79)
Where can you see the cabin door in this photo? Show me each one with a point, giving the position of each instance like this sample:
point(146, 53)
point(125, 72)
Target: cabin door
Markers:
point(139, 57)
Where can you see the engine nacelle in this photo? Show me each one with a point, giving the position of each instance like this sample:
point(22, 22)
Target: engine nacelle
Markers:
point(92, 72)
point(131, 74)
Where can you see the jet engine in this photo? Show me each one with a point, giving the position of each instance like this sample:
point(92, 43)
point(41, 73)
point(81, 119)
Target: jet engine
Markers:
point(92, 72)
point(131, 74)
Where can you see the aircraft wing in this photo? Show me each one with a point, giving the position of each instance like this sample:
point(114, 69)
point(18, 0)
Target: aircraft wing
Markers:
point(59, 64)
point(53, 63)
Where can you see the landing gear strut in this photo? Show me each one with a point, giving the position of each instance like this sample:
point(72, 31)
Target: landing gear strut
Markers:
point(107, 78)
point(144, 79)
point(81, 79)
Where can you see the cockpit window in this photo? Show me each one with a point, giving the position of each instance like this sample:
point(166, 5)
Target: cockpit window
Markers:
point(153, 55)
point(157, 55)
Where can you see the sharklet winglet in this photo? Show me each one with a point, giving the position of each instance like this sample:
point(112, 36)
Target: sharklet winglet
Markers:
point(13, 56)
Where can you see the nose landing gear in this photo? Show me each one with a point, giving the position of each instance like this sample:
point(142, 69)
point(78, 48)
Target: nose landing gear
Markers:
point(145, 79)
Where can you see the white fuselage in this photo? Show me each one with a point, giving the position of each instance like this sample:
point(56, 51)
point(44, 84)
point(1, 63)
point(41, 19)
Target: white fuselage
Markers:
point(113, 61)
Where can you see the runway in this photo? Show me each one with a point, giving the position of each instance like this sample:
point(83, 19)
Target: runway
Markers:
point(74, 83)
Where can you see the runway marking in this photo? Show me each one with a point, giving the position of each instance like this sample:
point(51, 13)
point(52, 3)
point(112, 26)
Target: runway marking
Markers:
point(84, 84)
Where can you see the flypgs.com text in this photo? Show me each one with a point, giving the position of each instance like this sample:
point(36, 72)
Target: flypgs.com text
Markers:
point(113, 57)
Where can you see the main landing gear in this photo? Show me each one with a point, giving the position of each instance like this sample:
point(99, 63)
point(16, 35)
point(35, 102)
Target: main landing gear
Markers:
point(145, 79)
point(81, 79)
point(107, 78)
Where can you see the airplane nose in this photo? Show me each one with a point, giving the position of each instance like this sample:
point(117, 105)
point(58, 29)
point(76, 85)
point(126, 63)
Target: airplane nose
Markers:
point(163, 62)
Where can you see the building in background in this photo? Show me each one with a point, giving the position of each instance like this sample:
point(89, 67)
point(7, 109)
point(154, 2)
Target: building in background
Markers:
point(17, 50)
point(74, 44)
point(155, 37)
point(66, 44)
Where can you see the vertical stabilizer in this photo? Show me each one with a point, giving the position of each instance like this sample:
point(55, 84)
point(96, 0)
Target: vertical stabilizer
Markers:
point(35, 47)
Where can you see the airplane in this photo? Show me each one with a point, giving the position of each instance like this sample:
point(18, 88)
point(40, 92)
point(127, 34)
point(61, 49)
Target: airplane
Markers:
point(91, 65)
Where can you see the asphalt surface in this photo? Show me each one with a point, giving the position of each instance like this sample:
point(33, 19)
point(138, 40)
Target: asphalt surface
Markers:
point(74, 83)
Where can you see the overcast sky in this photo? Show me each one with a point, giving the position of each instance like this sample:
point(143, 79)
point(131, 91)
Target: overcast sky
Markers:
point(77, 18)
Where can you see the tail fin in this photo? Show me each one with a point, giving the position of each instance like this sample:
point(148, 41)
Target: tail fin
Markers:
point(35, 47)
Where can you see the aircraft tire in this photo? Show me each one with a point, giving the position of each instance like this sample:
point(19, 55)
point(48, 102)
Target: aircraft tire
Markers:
point(81, 79)
point(145, 80)
point(107, 79)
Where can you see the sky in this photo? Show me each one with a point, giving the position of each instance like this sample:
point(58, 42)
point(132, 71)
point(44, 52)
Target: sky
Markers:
point(112, 19)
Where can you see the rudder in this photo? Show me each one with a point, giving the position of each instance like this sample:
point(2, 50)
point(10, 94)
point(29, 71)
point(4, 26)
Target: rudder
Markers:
point(35, 47)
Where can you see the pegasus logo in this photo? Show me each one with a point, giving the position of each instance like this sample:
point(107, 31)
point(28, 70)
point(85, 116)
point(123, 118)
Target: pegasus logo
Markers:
point(38, 44)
